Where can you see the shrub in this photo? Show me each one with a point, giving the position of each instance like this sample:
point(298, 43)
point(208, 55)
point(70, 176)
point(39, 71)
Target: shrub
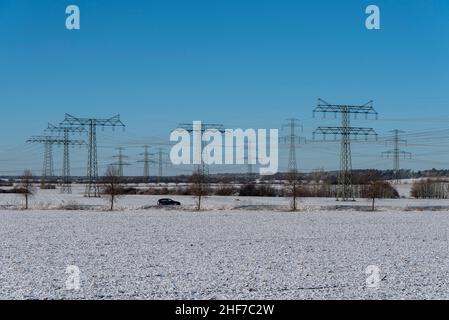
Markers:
point(252, 190)
point(225, 190)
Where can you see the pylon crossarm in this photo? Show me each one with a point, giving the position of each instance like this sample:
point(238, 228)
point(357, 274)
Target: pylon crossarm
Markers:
point(62, 129)
point(346, 131)
point(74, 121)
point(54, 140)
point(204, 126)
point(366, 109)
point(296, 139)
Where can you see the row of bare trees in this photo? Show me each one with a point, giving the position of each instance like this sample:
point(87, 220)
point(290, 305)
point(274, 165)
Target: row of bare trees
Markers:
point(430, 189)
point(373, 187)
point(112, 187)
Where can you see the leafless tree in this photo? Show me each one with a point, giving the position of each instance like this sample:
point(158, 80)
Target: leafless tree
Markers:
point(376, 190)
point(112, 186)
point(26, 185)
point(293, 185)
point(199, 186)
point(377, 187)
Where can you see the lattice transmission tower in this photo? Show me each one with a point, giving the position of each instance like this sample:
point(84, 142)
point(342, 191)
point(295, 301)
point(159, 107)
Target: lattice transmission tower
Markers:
point(66, 186)
point(346, 132)
point(120, 163)
point(396, 152)
point(47, 164)
point(48, 142)
point(159, 162)
point(91, 124)
point(146, 163)
point(293, 140)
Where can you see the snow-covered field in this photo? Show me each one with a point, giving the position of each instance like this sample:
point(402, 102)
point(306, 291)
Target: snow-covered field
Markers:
point(250, 248)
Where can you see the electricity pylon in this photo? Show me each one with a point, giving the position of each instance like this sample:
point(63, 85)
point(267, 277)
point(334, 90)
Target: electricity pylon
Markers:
point(292, 139)
point(146, 164)
point(66, 186)
point(250, 158)
point(47, 165)
point(48, 142)
point(396, 152)
point(92, 189)
point(197, 137)
point(120, 163)
point(345, 131)
point(160, 162)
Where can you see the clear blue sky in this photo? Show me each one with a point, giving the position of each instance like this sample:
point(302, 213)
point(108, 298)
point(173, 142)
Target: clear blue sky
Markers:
point(241, 63)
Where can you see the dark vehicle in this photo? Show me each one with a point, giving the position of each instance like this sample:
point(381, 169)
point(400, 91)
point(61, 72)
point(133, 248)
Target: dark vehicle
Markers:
point(168, 202)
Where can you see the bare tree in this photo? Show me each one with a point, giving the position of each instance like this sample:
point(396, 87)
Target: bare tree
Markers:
point(376, 190)
point(377, 187)
point(112, 186)
point(26, 185)
point(199, 187)
point(293, 184)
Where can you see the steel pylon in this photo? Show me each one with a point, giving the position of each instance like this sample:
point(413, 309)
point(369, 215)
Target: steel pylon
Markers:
point(345, 132)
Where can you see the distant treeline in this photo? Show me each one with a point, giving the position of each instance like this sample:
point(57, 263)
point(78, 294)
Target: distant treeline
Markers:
point(319, 175)
point(266, 190)
point(318, 184)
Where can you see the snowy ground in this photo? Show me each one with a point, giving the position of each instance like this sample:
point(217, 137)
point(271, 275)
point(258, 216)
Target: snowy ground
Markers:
point(239, 248)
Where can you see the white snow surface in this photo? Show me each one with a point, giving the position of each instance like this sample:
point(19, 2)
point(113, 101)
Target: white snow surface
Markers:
point(238, 248)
